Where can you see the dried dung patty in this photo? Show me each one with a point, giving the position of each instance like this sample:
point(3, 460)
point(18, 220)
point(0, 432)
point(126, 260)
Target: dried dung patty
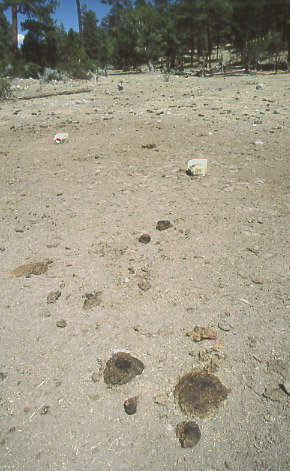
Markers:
point(121, 368)
point(199, 393)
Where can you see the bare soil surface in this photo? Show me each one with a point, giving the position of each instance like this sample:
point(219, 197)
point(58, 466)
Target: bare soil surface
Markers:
point(80, 208)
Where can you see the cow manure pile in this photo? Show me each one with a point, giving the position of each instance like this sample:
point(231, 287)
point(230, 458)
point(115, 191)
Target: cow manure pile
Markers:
point(199, 394)
point(121, 368)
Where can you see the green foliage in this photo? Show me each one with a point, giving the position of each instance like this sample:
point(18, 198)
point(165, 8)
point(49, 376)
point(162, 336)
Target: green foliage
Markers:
point(49, 74)
point(5, 40)
point(136, 32)
point(72, 60)
point(263, 48)
point(5, 88)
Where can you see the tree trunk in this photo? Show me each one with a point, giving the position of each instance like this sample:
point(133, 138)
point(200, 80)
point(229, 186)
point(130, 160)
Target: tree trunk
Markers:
point(150, 66)
point(80, 24)
point(209, 44)
point(14, 31)
point(191, 50)
point(199, 49)
point(288, 39)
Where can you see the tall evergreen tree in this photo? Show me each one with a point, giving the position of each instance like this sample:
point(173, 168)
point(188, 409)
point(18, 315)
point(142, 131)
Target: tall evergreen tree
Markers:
point(80, 24)
point(5, 38)
point(279, 12)
point(90, 32)
point(33, 9)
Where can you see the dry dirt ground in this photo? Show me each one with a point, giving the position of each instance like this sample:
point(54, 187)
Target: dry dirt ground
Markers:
point(83, 205)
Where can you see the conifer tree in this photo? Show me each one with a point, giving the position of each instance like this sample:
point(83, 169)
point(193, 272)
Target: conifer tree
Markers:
point(38, 10)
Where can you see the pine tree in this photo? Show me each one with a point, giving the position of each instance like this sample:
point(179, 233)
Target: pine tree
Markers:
point(33, 9)
point(5, 39)
point(80, 24)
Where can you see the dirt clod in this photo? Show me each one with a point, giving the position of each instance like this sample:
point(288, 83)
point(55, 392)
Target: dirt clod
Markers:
point(149, 146)
point(130, 405)
point(95, 377)
point(199, 394)
point(92, 300)
point(201, 333)
point(61, 323)
point(37, 268)
point(121, 368)
point(53, 297)
point(145, 238)
point(144, 285)
point(163, 225)
point(44, 410)
point(188, 433)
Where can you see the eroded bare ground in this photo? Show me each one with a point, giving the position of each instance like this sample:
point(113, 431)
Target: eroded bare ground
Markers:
point(223, 265)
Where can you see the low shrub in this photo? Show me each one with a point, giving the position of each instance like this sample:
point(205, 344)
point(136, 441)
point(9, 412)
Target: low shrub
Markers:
point(5, 88)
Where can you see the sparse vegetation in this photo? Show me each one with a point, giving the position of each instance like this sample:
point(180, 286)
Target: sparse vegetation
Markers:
point(5, 88)
point(138, 32)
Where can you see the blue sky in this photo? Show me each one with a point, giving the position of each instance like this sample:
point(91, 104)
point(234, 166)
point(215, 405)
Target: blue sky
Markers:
point(66, 13)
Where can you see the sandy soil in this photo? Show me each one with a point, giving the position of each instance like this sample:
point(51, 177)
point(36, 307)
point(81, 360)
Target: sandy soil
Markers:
point(83, 205)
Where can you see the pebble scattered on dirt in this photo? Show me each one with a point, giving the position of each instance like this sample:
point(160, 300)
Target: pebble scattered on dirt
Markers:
point(163, 225)
point(130, 405)
point(188, 434)
point(92, 300)
point(201, 333)
point(145, 238)
point(61, 323)
point(53, 296)
point(144, 285)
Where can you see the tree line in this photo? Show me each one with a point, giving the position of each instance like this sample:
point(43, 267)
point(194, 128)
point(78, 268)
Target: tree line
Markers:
point(140, 31)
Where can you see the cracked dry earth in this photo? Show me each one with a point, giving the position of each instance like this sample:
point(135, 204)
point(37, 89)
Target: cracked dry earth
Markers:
point(221, 265)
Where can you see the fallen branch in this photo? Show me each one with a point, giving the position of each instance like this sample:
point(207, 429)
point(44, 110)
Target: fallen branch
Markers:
point(46, 95)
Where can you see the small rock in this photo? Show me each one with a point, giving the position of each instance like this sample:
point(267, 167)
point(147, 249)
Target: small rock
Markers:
point(145, 238)
point(163, 225)
point(44, 410)
point(130, 405)
point(53, 297)
point(144, 285)
point(149, 146)
point(92, 300)
point(260, 86)
point(286, 387)
point(95, 377)
point(46, 313)
point(61, 323)
point(188, 434)
point(224, 325)
point(201, 333)
point(257, 281)
point(3, 376)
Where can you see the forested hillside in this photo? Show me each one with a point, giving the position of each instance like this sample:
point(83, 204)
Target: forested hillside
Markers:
point(134, 33)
